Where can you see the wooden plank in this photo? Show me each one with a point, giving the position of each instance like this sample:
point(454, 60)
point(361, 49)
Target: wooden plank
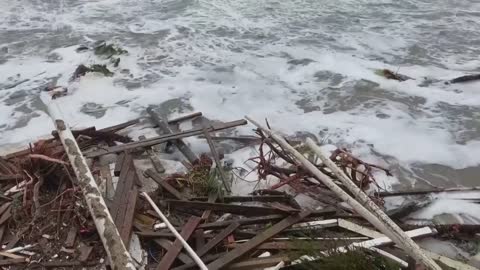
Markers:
point(359, 229)
point(4, 207)
point(11, 177)
point(257, 240)
point(163, 139)
point(157, 164)
point(121, 186)
point(253, 198)
point(179, 143)
point(216, 157)
point(206, 259)
point(167, 245)
point(186, 232)
point(260, 220)
point(164, 184)
point(71, 236)
point(85, 252)
point(184, 117)
point(2, 233)
point(126, 229)
point(120, 126)
point(119, 164)
point(199, 239)
point(218, 238)
point(211, 199)
point(8, 262)
point(6, 215)
point(229, 208)
point(258, 263)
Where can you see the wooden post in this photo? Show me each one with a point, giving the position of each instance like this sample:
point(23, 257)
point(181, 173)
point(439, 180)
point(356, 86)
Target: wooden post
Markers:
point(400, 238)
point(112, 242)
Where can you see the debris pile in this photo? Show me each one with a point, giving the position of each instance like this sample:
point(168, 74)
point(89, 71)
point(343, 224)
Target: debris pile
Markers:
point(192, 218)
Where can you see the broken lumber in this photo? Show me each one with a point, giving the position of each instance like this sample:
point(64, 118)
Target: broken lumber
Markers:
point(424, 191)
point(187, 230)
point(374, 214)
point(117, 253)
point(164, 184)
point(163, 139)
point(466, 78)
point(216, 157)
point(257, 240)
point(229, 208)
point(177, 235)
point(179, 143)
point(389, 229)
point(252, 198)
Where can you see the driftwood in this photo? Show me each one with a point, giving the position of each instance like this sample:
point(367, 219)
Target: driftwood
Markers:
point(216, 157)
point(376, 216)
point(163, 139)
point(466, 78)
point(229, 208)
point(257, 240)
point(390, 229)
point(179, 143)
point(425, 191)
point(184, 243)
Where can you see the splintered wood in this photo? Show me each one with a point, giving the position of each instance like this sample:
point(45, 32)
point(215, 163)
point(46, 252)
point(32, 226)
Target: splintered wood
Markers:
point(156, 218)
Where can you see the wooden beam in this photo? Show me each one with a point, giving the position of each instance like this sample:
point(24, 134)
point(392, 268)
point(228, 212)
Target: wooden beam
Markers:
point(229, 208)
point(10, 177)
point(167, 245)
point(253, 198)
point(119, 164)
point(163, 139)
point(206, 259)
point(258, 263)
point(216, 157)
point(179, 143)
point(167, 260)
point(164, 184)
point(257, 240)
point(218, 238)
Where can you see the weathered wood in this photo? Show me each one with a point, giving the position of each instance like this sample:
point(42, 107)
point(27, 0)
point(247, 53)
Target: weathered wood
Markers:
point(229, 208)
point(157, 164)
point(163, 139)
point(118, 255)
point(253, 198)
point(119, 164)
point(367, 208)
point(179, 143)
point(85, 252)
point(8, 262)
point(258, 263)
point(375, 234)
point(424, 191)
point(168, 259)
point(199, 239)
point(121, 126)
point(10, 177)
point(126, 229)
point(179, 237)
point(257, 240)
point(164, 184)
point(218, 164)
point(4, 207)
point(167, 245)
point(379, 219)
point(6, 215)
point(71, 236)
point(205, 259)
point(184, 117)
point(217, 239)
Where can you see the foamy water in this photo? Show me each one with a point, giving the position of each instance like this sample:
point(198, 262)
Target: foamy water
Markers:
point(307, 66)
